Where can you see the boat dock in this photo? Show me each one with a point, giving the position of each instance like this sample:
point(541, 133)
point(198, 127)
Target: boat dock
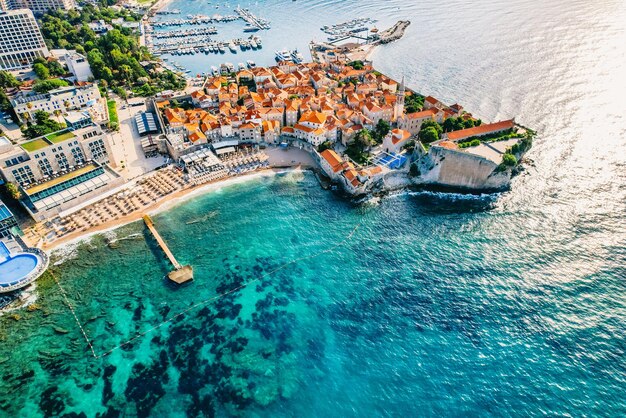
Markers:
point(252, 20)
point(180, 274)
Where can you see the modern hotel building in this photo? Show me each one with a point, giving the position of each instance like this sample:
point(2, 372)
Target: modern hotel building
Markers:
point(61, 170)
point(37, 6)
point(20, 39)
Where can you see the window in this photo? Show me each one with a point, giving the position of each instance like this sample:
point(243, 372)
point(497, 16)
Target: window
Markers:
point(78, 155)
point(45, 167)
point(62, 160)
point(23, 175)
point(98, 151)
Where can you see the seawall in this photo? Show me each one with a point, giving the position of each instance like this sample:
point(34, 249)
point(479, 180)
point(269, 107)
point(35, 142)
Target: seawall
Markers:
point(457, 169)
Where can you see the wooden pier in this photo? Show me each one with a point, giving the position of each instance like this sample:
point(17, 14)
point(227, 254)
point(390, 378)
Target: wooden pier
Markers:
point(180, 274)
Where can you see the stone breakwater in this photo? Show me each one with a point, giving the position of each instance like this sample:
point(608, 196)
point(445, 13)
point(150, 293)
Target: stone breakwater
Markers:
point(394, 33)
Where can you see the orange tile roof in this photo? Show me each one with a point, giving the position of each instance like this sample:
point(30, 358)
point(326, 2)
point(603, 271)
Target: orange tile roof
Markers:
point(423, 114)
point(313, 117)
point(481, 130)
point(399, 135)
point(332, 159)
point(447, 144)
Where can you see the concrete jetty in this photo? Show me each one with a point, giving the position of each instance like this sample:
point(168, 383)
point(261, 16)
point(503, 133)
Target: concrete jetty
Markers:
point(180, 274)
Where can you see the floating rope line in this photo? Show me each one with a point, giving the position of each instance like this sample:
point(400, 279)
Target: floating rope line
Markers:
point(206, 301)
point(67, 301)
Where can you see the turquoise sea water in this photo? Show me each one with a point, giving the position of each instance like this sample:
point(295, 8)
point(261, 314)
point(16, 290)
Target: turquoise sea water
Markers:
point(449, 305)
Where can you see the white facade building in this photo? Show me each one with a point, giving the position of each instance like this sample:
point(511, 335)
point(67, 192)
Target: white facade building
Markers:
point(78, 66)
point(20, 40)
point(37, 6)
point(62, 99)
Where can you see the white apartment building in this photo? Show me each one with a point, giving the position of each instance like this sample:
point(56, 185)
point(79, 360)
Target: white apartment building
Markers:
point(37, 6)
point(62, 99)
point(78, 66)
point(20, 39)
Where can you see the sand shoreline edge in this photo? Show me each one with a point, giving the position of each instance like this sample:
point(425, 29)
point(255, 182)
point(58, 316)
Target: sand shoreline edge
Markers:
point(165, 204)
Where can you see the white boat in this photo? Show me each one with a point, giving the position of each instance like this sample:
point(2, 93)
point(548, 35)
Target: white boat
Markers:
point(251, 64)
point(231, 46)
point(283, 55)
point(297, 56)
point(253, 44)
point(214, 70)
point(241, 66)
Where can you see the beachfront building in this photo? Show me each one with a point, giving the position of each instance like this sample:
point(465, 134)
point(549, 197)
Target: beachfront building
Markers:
point(203, 166)
point(331, 163)
point(8, 223)
point(60, 170)
point(62, 99)
point(20, 40)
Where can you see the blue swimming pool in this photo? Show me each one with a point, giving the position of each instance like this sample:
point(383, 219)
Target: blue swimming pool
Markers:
point(17, 268)
point(393, 160)
point(4, 251)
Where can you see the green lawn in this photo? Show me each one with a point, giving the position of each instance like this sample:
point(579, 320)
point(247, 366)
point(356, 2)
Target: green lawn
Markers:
point(34, 145)
point(113, 118)
point(60, 137)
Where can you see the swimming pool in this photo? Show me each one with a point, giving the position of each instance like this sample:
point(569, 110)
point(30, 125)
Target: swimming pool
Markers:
point(4, 252)
point(17, 268)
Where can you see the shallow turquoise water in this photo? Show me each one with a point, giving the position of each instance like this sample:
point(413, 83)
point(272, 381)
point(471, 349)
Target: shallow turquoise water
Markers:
point(511, 304)
point(429, 308)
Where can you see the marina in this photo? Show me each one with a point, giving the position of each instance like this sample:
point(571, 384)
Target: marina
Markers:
point(353, 28)
point(253, 22)
point(203, 44)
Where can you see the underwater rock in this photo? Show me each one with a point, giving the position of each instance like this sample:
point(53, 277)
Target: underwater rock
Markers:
point(107, 376)
point(51, 402)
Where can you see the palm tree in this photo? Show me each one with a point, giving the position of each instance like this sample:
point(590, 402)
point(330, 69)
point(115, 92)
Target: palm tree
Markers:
point(57, 113)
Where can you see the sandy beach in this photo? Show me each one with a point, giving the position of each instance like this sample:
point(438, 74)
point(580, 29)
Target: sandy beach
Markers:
point(282, 160)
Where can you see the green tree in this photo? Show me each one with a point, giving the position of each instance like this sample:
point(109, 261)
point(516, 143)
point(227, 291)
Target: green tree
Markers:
point(8, 80)
point(382, 128)
point(13, 190)
point(41, 71)
point(44, 86)
point(509, 159)
point(364, 140)
point(42, 125)
point(324, 146)
point(428, 135)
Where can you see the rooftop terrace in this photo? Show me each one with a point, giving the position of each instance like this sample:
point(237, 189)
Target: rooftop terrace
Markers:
point(62, 178)
point(44, 141)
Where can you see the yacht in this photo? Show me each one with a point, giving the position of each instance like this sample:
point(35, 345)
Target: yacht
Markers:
point(241, 66)
point(297, 56)
point(253, 44)
point(251, 64)
point(231, 46)
point(283, 55)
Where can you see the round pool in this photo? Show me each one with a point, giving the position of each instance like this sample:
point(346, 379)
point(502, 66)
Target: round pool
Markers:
point(17, 268)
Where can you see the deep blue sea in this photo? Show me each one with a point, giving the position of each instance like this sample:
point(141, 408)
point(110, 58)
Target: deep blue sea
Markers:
point(418, 304)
